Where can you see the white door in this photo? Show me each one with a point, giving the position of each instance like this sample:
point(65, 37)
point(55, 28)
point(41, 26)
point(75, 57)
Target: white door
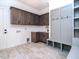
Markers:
point(66, 31)
point(56, 25)
point(66, 24)
point(67, 11)
point(3, 41)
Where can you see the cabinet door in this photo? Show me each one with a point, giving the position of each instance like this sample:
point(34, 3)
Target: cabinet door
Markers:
point(3, 41)
point(42, 20)
point(36, 20)
point(66, 24)
point(26, 18)
point(14, 13)
point(55, 14)
point(46, 19)
point(20, 17)
point(56, 31)
point(43, 37)
point(23, 18)
point(31, 22)
point(66, 31)
point(56, 25)
point(15, 16)
point(33, 37)
point(66, 11)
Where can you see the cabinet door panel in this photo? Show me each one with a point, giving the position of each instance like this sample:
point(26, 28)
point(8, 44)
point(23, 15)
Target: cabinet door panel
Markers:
point(44, 19)
point(56, 31)
point(56, 25)
point(46, 36)
point(43, 36)
point(21, 17)
point(17, 16)
point(67, 11)
point(66, 31)
point(14, 13)
point(36, 20)
point(55, 14)
point(33, 37)
point(66, 24)
point(28, 19)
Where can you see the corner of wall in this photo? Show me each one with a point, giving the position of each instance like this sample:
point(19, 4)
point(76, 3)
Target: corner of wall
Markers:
point(45, 10)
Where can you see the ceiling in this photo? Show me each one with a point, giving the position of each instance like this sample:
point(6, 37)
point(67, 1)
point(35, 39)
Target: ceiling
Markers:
point(37, 4)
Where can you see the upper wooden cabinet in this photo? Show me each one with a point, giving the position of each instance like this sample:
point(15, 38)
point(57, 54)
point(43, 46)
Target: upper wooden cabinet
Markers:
point(44, 19)
point(21, 17)
point(14, 13)
point(36, 20)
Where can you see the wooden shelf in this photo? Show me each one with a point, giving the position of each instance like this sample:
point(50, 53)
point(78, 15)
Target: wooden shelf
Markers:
point(76, 28)
point(76, 7)
point(76, 17)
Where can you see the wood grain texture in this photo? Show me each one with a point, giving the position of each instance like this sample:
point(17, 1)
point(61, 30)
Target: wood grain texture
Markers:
point(39, 37)
point(44, 19)
point(21, 17)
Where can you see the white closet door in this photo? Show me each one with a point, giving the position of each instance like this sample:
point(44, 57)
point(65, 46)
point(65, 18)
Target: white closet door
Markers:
point(67, 11)
point(3, 41)
point(56, 25)
point(66, 24)
point(66, 31)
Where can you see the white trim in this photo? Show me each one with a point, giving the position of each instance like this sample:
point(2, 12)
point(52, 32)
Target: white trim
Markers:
point(25, 7)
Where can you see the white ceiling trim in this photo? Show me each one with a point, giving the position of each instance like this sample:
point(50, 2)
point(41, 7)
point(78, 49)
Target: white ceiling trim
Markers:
point(25, 7)
point(43, 11)
point(20, 5)
point(37, 4)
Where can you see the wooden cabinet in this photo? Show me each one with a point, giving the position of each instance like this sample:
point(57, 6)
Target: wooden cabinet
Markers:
point(36, 20)
point(44, 19)
point(35, 37)
point(43, 37)
point(39, 37)
point(14, 13)
point(21, 17)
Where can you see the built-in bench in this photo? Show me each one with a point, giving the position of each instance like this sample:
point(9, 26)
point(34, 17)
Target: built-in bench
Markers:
point(74, 53)
point(58, 45)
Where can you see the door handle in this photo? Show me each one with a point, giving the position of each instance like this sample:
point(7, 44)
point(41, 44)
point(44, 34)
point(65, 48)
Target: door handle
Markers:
point(61, 17)
point(5, 32)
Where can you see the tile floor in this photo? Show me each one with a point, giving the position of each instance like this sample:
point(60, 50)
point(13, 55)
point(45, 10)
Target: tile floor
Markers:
point(33, 51)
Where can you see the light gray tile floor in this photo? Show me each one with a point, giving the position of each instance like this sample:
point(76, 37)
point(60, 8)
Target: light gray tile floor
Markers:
point(33, 51)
